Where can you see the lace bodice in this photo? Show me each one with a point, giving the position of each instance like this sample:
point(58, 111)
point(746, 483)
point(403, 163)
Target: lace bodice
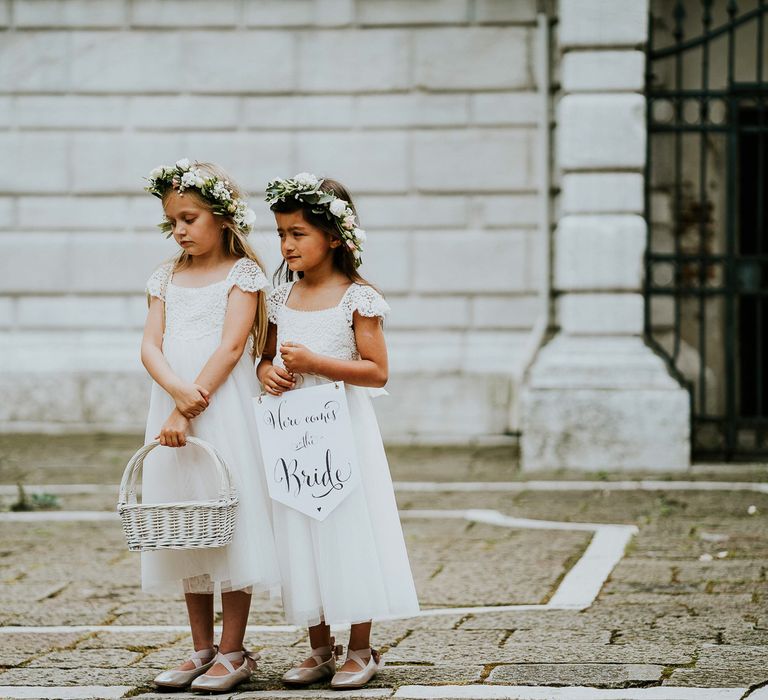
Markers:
point(326, 331)
point(196, 312)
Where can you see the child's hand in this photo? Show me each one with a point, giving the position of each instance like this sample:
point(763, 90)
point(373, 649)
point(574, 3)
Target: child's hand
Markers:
point(191, 399)
point(277, 380)
point(297, 357)
point(174, 432)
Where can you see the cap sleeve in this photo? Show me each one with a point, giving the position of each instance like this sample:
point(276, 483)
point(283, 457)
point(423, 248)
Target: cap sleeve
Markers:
point(158, 281)
point(247, 275)
point(276, 300)
point(366, 301)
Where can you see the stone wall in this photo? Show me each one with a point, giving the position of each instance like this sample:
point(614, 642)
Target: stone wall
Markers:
point(427, 109)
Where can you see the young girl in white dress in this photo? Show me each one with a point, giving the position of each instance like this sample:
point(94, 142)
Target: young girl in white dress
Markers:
point(206, 324)
point(326, 325)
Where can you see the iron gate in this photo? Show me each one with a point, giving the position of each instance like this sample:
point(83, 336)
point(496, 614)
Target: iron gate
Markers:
point(706, 266)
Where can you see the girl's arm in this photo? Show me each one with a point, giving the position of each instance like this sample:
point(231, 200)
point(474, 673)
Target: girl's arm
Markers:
point(190, 399)
point(238, 321)
point(370, 370)
point(275, 380)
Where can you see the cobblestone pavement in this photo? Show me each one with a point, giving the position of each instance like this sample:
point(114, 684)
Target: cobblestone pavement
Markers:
point(685, 607)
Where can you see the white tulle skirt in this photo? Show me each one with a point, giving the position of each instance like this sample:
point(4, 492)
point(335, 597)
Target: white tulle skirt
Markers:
point(353, 566)
point(184, 474)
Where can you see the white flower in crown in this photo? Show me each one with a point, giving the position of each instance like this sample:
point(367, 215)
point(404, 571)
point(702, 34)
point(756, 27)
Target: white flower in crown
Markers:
point(349, 222)
point(306, 180)
point(338, 207)
point(218, 193)
point(359, 235)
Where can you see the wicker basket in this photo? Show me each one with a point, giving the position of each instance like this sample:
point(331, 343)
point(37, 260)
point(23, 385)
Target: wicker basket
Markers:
point(186, 525)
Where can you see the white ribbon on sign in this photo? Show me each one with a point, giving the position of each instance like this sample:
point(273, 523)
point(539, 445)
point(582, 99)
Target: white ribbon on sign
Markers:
point(307, 447)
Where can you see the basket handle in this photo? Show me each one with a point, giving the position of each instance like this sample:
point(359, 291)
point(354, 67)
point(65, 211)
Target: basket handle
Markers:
point(135, 463)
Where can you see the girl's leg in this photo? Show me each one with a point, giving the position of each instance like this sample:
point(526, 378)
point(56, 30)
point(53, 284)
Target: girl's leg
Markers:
point(235, 606)
point(319, 636)
point(359, 641)
point(200, 611)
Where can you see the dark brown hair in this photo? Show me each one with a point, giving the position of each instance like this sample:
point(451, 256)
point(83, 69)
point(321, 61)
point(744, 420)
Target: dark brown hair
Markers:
point(343, 259)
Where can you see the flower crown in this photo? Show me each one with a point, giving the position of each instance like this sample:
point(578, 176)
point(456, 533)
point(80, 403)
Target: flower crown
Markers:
point(305, 188)
point(218, 193)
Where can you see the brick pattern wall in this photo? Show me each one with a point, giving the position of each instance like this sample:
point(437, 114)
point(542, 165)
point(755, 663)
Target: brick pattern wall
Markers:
point(426, 108)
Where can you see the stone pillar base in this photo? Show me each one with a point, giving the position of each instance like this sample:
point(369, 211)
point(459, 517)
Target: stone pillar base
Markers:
point(603, 404)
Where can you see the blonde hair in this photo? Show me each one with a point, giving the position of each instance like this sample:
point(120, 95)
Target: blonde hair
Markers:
point(235, 244)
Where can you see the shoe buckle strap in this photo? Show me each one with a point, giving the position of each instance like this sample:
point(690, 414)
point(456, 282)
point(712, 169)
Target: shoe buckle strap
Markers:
point(226, 659)
point(203, 656)
point(355, 656)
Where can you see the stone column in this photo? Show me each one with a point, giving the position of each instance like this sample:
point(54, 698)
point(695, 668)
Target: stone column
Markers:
point(596, 397)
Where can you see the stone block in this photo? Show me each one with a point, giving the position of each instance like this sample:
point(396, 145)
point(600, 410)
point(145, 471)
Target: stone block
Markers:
point(126, 62)
point(386, 262)
point(34, 162)
point(411, 12)
point(518, 311)
point(183, 112)
point(594, 674)
point(603, 71)
point(71, 312)
point(298, 13)
point(299, 112)
point(494, 351)
point(185, 13)
point(251, 158)
point(70, 111)
point(131, 157)
point(417, 351)
point(371, 161)
point(7, 311)
point(71, 263)
point(5, 13)
point(411, 110)
point(488, 160)
point(421, 211)
point(603, 23)
point(68, 13)
point(428, 312)
point(225, 61)
point(601, 314)
point(7, 212)
point(73, 213)
point(6, 108)
point(502, 211)
point(601, 132)
point(38, 397)
point(504, 11)
point(472, 58)
point(601, 404)
point(34, 62)
point(602, 193)
point(449, 262)
point(599, 252)
point(279, 13)
point(482, 409)
point(346, 61)
point(506, 108)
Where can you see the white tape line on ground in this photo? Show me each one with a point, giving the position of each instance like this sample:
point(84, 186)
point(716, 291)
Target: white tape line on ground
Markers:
point(66, 692)
point(565, 485)
point(524, 692)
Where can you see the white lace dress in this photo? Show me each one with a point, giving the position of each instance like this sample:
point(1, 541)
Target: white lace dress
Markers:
point(353, 566)
point(194, 318)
